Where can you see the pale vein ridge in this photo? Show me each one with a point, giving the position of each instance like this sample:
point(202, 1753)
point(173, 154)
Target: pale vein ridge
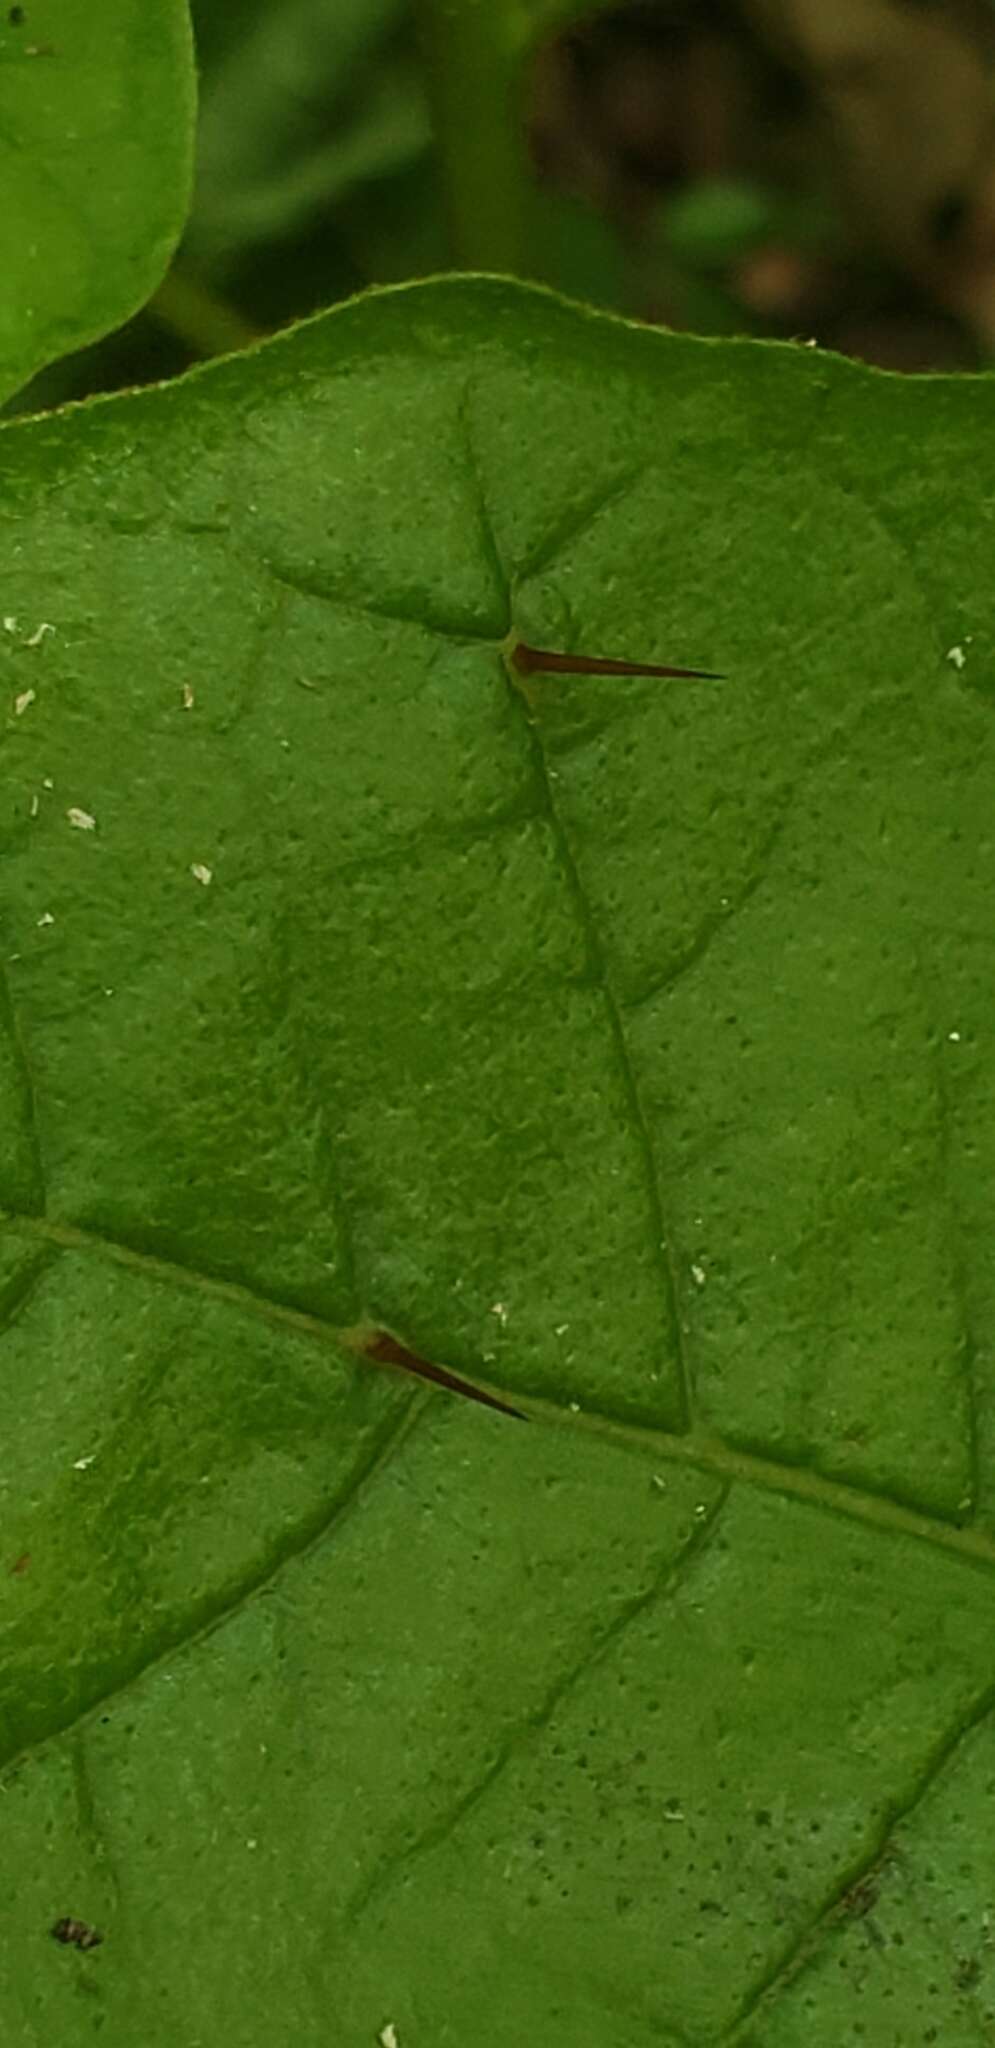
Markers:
point(301, 1541)
point(485, 529)
point(10, 1025)
point(663, 1253)
point(808, 1943)
point(581, 515)
point(318, 1106)
point(663, 1246)
point(87, 1821)
point(694, 1447)
point(958, 1237)
point(664, 1586)
point(713, 924)
point(21, 1288)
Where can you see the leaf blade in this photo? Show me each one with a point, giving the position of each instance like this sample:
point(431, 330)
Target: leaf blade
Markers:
point(374, 1652)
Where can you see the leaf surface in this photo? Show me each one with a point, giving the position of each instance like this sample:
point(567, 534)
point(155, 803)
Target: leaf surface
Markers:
point(622, 1046)
point(96, 120)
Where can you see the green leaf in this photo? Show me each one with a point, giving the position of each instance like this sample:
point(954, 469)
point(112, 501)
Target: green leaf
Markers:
point(97, 115)
point(302, 104)
point(621, 1045)
point(714, 221)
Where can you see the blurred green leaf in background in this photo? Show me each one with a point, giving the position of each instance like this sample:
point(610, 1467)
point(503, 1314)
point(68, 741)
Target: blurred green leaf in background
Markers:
point(96, 133)
point(300, 104)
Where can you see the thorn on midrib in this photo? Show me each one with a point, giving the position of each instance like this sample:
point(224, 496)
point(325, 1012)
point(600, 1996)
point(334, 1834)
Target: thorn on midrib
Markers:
point(535, 660)
point(383, 1349)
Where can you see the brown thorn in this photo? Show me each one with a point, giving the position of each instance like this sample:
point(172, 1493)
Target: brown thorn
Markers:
point(384, 1349)
point(531, 660)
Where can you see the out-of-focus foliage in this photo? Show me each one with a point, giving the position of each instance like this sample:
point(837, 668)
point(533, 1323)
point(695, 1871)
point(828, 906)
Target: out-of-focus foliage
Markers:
point(774, 167)
point(299, 106)
point(96, 131)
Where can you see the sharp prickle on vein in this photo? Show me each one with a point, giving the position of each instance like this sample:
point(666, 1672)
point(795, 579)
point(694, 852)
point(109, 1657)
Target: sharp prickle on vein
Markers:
point(530, 661)
point(384, 1349)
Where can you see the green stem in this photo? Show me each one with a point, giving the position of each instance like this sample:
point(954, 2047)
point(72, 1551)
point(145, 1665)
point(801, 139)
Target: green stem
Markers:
point(474, 64)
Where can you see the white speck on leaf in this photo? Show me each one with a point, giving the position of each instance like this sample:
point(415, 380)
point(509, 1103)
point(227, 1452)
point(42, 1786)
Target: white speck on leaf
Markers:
point(46, 918)
point(957, 656)
point(47, 783)
point(387, 2036)
point(35, 805)
point(21, 703)
point(81, 1464)
point(84, 821)
point(200, 873)
point(659, 1482)
point(561, 1329)
point(188, 697)
point(499, 1309)
point(575, 1407)
point(10, 623)
point(954, 1037)
point(39, 633)
point(698, 1274)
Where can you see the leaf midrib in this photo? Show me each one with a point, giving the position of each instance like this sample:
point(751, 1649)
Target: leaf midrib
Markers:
point(697, 1448)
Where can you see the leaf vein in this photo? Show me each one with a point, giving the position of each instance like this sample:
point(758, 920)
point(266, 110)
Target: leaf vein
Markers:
point(813, 1938)
point(957, 1236)
point(10, 1022)
point(661, 1240)
point(713, 923)
point(300, 1541)
point(705, 1453)
point(663, 1587)
point(579, 516)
